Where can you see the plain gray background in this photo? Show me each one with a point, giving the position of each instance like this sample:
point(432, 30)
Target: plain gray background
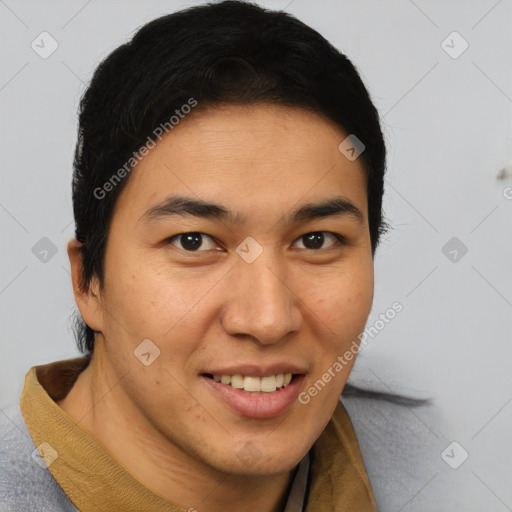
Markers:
point(447, 118)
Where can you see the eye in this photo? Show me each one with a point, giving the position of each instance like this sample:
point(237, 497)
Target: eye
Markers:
point(316, 239)
point(193, 241)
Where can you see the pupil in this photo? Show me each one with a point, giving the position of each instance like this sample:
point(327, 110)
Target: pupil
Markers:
point(314, 239)
point(191, 241)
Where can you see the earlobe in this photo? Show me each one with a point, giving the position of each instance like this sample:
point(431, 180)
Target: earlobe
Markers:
point(87, 301)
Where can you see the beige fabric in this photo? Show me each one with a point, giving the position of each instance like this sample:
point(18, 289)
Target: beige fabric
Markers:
point(94, 480)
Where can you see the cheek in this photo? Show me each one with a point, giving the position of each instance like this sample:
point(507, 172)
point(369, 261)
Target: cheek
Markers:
point(140, 291)
point(168, 308)
point(345, 305)
point(340, 314)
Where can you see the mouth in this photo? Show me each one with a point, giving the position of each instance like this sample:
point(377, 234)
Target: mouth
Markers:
point(255, 396)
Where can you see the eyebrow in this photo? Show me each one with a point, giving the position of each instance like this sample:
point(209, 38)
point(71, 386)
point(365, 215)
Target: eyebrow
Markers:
point(180, 205)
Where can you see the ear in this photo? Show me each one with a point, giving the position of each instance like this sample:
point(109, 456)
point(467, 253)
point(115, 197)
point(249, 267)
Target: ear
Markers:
point(88, 302)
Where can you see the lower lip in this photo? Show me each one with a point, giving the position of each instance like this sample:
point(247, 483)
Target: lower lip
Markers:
point(257, 405)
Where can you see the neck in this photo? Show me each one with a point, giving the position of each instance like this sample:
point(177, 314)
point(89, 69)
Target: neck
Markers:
point(99, 405)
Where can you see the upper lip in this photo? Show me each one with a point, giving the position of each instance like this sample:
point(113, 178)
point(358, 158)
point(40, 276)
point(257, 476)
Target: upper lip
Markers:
point(254, 370)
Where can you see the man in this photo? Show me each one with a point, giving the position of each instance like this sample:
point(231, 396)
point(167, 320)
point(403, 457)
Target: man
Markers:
point(228, 183)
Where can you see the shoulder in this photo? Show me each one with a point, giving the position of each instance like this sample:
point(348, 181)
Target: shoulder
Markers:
point(399, 443)
point(25, 481)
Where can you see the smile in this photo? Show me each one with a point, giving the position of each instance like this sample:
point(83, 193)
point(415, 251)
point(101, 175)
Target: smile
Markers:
point(255, 397)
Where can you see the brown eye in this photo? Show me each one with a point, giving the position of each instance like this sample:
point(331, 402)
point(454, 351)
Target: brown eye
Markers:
point(192, 242)
point(316, 239)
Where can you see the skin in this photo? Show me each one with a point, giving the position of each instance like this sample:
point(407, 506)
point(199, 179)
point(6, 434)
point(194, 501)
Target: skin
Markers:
point(210, 308)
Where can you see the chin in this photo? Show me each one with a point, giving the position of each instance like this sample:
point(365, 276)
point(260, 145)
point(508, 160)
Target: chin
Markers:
point(261, 459)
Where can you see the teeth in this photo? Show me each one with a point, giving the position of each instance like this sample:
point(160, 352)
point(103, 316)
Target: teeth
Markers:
point(252, 384)
point(268, 384)
point(237, 381)
point(255, 384)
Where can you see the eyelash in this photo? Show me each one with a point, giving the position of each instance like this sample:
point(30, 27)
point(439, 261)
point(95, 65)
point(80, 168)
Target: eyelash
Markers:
point(340, 240)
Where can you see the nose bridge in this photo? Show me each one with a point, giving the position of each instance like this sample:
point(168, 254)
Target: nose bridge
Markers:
point(261, 305)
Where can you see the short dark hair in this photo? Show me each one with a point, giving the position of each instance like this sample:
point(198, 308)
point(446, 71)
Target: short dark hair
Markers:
point(231, 52)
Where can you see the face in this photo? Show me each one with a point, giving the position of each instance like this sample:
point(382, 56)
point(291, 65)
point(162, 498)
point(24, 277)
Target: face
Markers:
point(245, 292)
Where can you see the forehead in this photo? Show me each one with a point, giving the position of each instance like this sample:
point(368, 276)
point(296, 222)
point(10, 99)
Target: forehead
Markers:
point(254, 158)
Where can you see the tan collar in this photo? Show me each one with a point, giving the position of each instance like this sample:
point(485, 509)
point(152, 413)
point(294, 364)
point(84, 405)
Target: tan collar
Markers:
point(94, 480)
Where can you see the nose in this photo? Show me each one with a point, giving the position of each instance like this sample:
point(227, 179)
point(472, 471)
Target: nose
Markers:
point(260, 303)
